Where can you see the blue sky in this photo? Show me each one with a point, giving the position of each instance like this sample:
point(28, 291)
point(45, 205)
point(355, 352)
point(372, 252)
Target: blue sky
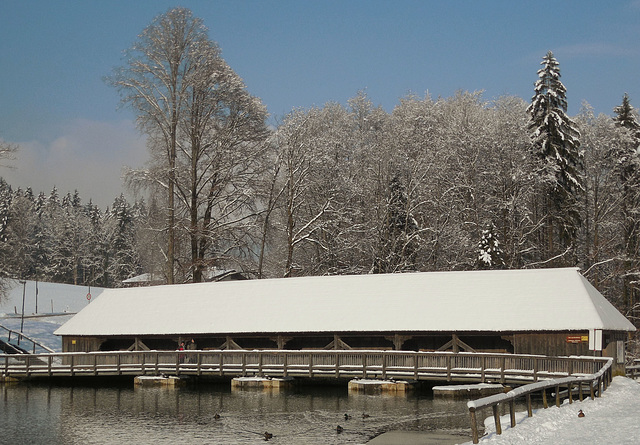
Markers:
point(55, 54)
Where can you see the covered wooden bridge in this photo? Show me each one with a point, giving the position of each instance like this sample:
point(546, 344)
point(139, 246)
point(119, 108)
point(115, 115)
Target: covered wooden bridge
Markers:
point(554, 312)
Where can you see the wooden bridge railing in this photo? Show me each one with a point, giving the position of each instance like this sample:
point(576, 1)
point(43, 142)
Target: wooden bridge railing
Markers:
point(595, 383)
point(470, 367)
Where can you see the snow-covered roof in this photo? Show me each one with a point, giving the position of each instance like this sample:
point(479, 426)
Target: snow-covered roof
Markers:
point(505, 300)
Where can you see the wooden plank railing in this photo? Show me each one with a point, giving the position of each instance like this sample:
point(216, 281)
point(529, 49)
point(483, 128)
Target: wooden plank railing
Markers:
point(21, 336)
point(470, 367)
point(596, 382)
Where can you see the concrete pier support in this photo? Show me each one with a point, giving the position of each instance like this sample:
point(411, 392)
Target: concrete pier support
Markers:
point(370, 386)
point(263, 383)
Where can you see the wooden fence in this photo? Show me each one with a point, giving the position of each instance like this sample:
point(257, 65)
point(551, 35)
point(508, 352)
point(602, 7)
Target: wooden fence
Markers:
point(594, 383)
point(448, 366)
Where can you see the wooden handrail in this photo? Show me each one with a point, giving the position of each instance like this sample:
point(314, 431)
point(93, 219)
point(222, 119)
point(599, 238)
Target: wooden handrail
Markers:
point(601, 378)
point(307, 363)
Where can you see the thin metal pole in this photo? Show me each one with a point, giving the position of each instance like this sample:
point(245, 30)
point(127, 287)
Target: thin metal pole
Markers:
point(24, 289)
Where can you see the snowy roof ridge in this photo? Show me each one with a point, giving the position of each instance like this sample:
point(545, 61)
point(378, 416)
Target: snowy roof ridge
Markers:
point(472, 301)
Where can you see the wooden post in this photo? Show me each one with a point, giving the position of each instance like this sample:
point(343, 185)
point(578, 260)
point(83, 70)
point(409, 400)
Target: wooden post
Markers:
point(529, 410)
point(512, 412)
point(558, 396)
point(284, 365)
point(448, 368)
point(157, 361)
point(384, 366)
point(535, 369)
point(570, 391)
point(260, 364)
point(221, 364)
point(337, 365)
point(310, 365)
point(364, 366)
point(244, 364)
point(544, 398)
point(49, 359)
point(580, 391)
point(483, 366)
point(474, 425)
point(496, 419)
point(415, 366)
point(593, 396)
point(199, 364)
point(95, 365)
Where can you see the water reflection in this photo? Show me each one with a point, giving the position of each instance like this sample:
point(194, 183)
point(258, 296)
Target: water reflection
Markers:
point(308, 415)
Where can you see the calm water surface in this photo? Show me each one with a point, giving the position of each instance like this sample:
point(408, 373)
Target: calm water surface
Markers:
point(36, 414)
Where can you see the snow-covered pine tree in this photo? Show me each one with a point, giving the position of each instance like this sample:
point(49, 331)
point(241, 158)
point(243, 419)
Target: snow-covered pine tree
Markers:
point(556, 143)
point(490, 255)
point(627, 116)
point(628, 166)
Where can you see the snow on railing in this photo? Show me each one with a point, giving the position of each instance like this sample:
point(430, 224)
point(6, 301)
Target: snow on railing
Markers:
point(601, 379)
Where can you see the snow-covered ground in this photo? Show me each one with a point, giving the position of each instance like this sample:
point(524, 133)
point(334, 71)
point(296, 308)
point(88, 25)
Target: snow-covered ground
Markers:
point(613, 418)
point(54, 301)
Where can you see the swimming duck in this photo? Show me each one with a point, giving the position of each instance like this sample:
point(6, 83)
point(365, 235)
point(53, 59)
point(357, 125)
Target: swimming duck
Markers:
point(216, 416)
point(339, 429)
point(267, 435)
point(580, 413)
point(365, 415)
point(347, 416)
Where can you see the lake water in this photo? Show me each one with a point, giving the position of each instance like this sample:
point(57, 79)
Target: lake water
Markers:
point(120, 414)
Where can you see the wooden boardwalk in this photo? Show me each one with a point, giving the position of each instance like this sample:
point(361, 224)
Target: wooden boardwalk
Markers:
point(434, 366)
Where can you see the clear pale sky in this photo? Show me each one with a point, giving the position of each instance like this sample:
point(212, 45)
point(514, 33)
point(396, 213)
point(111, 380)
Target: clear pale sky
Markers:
point(55, 54)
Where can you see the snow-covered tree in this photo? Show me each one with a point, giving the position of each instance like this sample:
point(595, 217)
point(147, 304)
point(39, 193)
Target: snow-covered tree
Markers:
point(556, 143)
point(156, 82)
point(401, 240)
point(490, 255)
point(205, 134)
point(123, 260)
point(627, 166)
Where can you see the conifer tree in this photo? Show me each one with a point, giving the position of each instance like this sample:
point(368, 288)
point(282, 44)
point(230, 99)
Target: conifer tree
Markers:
point(556, 143)
point(628, 165)
point(490, 255)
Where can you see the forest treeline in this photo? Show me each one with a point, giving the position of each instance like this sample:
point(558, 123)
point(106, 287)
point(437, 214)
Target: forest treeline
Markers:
point(455, 183)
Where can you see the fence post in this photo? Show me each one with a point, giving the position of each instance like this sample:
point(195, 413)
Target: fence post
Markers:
point(483, 366)
point(535, 369)
point(569, 391)
point(512, 412)
point(474, 425)
point(502, 366)
point(310, 365)
point(384, 366)
point(580, 391)
point(544, 398)
point(529, 410)
point(496, 419)
point(285, 362)
point(364, 366)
